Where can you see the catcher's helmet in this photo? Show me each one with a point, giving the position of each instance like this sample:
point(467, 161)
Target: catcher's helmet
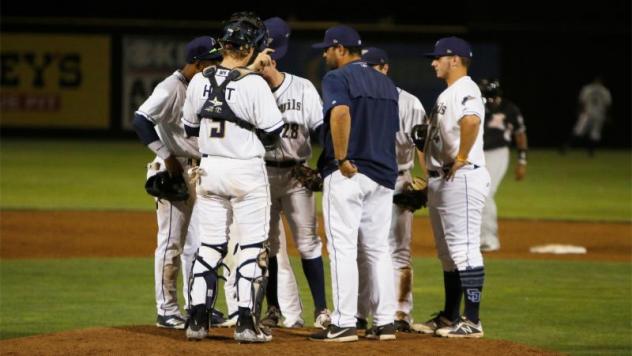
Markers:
point(490, 88)
point(163, 186)
point(245, 29)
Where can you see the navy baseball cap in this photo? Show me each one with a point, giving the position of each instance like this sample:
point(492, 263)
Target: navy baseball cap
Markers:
point(340, 35)
point(278, 36)
point(451, 46)
point(374, 56)
point(203, 48)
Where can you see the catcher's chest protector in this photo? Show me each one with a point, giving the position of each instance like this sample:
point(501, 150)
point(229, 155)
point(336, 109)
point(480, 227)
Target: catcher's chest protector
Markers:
point(216, 107)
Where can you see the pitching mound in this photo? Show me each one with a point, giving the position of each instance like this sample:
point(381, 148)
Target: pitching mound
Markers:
point(150, 340)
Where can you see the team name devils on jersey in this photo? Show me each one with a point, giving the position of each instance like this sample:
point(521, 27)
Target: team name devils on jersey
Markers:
point(302, 111)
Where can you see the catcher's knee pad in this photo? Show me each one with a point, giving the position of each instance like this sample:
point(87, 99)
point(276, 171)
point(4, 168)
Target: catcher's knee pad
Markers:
point(258, 281)
point(210, 275)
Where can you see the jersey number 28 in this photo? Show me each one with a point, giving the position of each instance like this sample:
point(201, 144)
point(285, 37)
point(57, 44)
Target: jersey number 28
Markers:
point(290, 131)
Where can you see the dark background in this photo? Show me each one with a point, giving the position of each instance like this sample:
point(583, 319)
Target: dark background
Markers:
point(542, 52)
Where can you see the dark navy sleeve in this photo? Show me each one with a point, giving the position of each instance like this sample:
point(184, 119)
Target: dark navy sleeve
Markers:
point(335, 91)
point(192, 131)
point(144, 129)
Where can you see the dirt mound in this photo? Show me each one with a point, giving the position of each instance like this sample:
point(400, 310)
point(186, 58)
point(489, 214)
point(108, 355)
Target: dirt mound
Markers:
point(150, 340)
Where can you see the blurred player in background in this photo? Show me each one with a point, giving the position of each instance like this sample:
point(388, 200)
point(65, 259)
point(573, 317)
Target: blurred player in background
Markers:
point(503, 121)
point(594, 102)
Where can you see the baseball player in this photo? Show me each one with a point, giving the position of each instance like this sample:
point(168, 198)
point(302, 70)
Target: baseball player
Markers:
point(457, 187)
point(233, 112)
point(157, 123)
point(502, 121)
point(411, 113)
point(594, 101)
point(359, 168)
point(300, 104)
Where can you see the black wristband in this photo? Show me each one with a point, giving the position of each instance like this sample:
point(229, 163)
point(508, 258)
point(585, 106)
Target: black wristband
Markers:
point(341, 161)
point(522, 156)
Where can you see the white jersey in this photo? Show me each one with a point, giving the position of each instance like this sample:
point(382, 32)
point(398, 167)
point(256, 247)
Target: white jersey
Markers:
point(302, 111)
point(461, 98)
point(164, 109)
point(596, 99)
point(249, 98)
point(411, 113)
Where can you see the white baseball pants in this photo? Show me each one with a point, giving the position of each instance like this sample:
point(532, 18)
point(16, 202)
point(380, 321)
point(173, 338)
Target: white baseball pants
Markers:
point(176, 243)
point(455, 209)
point(231, 189)
point(497, 161)
point(357, 213)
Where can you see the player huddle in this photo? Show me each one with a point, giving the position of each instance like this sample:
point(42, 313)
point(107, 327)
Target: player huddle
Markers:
point(239, 130)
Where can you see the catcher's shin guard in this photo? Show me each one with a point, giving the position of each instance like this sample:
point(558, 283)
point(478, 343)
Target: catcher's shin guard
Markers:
point(258, 281)
point(210, 276)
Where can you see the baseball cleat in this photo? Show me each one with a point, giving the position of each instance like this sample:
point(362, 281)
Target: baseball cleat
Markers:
point(322, 319)
point(272, 317)
point(384, 332)
point(247, 332)
point(298, 323)
point(402, 322)
point(197, 325)
point(489, 247)
point(430, 326)
point(362, 325)
point(334, 333)
point(463, 329)
point(170, 322)
point(230, 322)
point(217, 318)
point(402, 326)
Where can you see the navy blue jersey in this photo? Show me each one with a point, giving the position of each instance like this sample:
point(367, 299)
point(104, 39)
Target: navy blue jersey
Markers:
point(372, 100)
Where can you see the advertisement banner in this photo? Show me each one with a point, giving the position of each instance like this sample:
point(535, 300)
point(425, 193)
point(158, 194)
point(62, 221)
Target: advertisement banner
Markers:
point(147, 60)
point(60, 81)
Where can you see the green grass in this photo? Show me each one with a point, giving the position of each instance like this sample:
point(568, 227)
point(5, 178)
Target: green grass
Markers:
point(574, 307)
point(88, 175)
point(76, 175)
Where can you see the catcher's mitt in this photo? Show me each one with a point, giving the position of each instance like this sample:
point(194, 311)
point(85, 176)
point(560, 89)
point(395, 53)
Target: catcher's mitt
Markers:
point(309, 178)
point(414, 196)
point(164, 186)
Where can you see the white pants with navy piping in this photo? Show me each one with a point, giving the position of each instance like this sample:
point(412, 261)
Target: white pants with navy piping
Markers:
point(455, 209)
point(357, 214)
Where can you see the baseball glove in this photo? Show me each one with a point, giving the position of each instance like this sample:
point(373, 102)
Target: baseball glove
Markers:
point(309, 178)
point(164, 186)
point(414, 196)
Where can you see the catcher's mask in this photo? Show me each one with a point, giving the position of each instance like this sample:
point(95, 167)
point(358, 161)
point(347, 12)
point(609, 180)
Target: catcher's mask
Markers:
point(245, 29)
point(164, 186)
point(490, 88)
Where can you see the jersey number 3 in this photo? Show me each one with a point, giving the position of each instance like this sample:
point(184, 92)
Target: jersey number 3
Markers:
point(218, 128)
point(290, 131)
